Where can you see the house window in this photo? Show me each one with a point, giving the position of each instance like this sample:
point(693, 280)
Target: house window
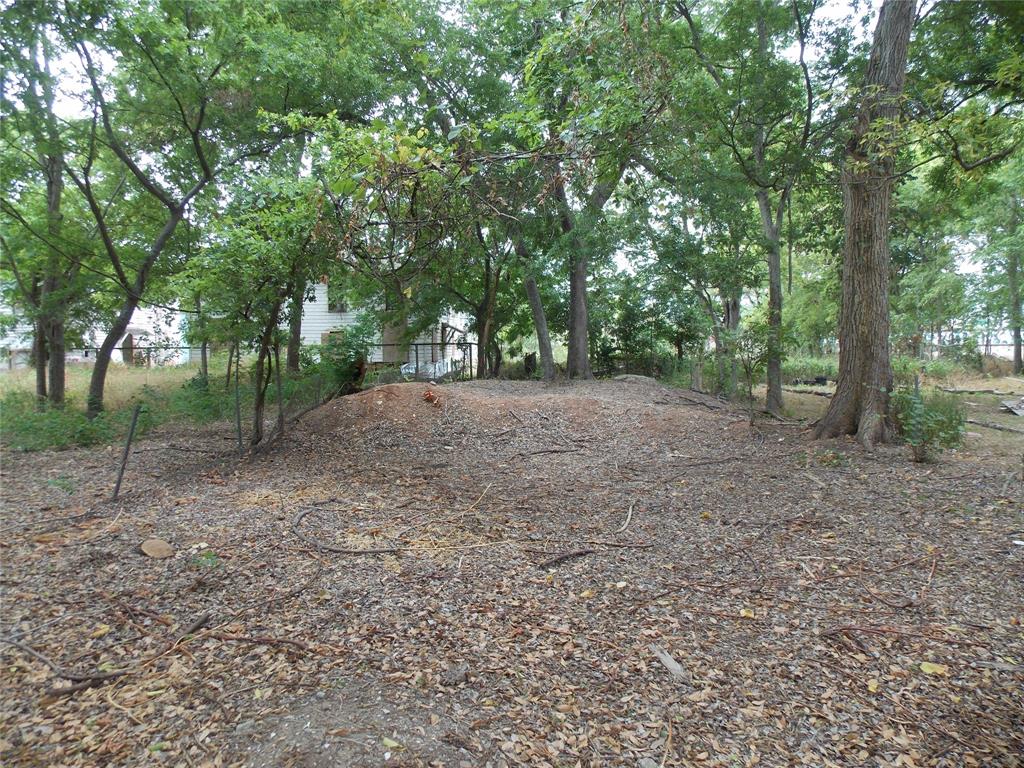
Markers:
point(337, 305)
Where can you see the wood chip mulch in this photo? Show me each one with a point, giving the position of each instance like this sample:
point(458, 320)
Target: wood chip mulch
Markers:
point(609, 573)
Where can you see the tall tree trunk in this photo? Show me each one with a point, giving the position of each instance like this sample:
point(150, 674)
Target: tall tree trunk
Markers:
point(697, 372)
point(483, 340)
point(732, 323)
point(262, 378)
point(58, 359)
point(54, 299)
point(485, 314)
point(204, 361)
point(578, 359)
point(1013, 268)
point(772, 225)
point(39, 358)
point(540, 323)
point(720, 354)
point(295, 329)
point(1013, 275)
point(98, 380)
point(861, 403)
point(483, 344)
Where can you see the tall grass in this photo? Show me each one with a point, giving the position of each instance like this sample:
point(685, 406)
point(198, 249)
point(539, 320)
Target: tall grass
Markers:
point(123, 382)
point(167, 394)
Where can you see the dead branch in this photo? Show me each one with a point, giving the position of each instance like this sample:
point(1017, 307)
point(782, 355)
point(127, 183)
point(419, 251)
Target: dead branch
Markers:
point(338, 550)
point(851, 628)
point(83, 679)
point(261, 640)
point(565, 557)
point(993, 425)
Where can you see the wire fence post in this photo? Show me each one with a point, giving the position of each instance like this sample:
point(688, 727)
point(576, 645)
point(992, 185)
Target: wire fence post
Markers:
point(127, 449)
point(238, 396)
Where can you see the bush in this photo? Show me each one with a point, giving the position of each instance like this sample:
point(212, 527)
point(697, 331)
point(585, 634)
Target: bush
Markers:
point(794, 368)
point(25, 427)
point(905, 369)
point(343, 358)
point(940, 369)
point(928, 424)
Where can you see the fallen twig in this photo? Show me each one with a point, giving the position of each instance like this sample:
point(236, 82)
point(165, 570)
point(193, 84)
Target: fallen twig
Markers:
point(261, 640)
point(83, 679)
point(549, 450)
point(894, 631)
point(625, 525)
point(563, 558)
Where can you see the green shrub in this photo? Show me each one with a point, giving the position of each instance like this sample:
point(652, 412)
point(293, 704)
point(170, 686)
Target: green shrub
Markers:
point(26, 427)
point(928, 424)
point(343, 358)
point(904, 369)
point(940, 369)
point(794, 368)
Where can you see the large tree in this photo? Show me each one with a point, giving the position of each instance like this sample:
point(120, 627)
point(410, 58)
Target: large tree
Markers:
point(861, 403)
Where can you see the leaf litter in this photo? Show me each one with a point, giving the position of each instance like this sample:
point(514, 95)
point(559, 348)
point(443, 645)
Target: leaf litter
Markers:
point(507, 573)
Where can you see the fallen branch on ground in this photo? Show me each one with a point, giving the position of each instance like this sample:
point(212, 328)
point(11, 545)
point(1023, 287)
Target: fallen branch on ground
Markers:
point(851, 628)
point(261, 640)
point(549, 450)
point(807, 392)
point(993, 425)
point(83, 680)
point(563, 558)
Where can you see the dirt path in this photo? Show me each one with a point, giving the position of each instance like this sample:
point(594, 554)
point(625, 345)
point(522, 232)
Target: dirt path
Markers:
point(603, 574)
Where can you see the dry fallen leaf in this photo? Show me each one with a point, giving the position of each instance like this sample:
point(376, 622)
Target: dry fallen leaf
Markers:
point(934, 669)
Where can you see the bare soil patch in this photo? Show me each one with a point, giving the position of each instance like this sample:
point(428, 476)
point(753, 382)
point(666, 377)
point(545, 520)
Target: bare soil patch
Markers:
point(610, 573)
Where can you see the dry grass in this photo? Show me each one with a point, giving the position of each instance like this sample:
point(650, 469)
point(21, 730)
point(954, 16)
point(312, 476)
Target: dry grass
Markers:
point(980, 407)
point(123, 382)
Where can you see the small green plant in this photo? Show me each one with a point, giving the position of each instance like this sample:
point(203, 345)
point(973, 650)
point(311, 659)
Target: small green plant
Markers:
point(830, 458)
point(940, 369)
point(63, 483)
point(206, 560)
point(905, 369)
point(928, 424)
point(794, 368)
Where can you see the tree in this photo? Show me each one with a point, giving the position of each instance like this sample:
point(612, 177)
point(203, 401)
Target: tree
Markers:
point(774, 122)
point(861, 403)
point(999, 218)
point(29, 96)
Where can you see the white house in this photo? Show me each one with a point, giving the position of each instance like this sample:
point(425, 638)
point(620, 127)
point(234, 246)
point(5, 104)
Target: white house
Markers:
point(445, 344)
point(149, 328)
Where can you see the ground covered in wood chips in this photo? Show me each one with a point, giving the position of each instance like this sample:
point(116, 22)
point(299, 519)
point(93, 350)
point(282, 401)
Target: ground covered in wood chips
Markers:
point(610, 573)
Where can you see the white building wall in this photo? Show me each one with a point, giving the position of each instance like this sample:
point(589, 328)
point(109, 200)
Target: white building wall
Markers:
point(318, 319)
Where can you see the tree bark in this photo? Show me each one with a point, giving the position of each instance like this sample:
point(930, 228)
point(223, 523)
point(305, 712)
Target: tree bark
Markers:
point(292, 362)
point(98, 380)
point(1013, 286)
point(540, 322)
point(54, 298)
point(204, 362)
point(772, 225)
point(732, 323)
point(861, 403)
point(39, 359)
point(57, 359)
point(578, 359)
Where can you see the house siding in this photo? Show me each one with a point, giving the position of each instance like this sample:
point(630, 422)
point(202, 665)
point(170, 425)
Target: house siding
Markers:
point(318, 320)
